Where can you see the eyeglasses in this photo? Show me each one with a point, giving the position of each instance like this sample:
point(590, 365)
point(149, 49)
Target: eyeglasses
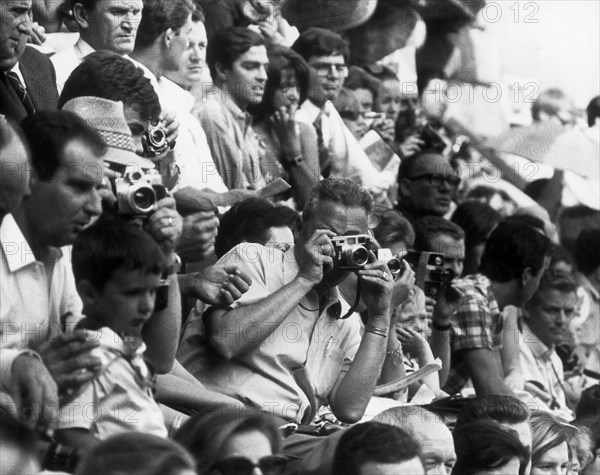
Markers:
point(270, 465)
point(352, 115)
point(436, 179)
point(323, 69)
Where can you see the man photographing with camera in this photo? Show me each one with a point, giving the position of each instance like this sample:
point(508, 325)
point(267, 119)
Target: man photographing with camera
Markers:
point(284, 348)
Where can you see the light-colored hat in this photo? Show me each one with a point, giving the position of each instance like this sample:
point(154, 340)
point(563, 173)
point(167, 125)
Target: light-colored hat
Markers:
point(108, 119)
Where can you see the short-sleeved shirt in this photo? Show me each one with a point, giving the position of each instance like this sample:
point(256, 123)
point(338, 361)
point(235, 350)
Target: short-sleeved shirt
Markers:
point(35, 295)
point(120, 398)
point(476, 324)
point(294, 369)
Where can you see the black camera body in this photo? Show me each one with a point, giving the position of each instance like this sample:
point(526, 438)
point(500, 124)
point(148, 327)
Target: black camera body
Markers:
point(138, 192)
point(430, 274)
point(154, 140)
point(352, 253)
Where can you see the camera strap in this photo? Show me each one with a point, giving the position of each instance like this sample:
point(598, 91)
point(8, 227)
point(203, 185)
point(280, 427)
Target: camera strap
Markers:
point(356, 302)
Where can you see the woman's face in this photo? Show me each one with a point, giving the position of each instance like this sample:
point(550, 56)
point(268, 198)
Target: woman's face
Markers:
point(252, 445)
point(389, 99)
point(555, 461)
point(288, 92)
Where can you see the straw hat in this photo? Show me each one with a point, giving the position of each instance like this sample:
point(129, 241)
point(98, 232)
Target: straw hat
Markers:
point(108, 119)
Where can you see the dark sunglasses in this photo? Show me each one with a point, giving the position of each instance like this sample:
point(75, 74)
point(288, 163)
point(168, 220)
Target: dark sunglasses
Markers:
point(270, 465)
point(436, 179)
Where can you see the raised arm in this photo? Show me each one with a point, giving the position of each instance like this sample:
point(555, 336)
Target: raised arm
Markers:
point(225, 326)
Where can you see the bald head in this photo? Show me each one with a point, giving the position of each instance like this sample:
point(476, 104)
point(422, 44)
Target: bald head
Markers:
point(430, 432)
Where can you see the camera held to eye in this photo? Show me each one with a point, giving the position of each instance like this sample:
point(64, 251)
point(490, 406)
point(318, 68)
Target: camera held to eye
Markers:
point(430, 274)
point(138, 192)
point(352, 253)
point(154, 140)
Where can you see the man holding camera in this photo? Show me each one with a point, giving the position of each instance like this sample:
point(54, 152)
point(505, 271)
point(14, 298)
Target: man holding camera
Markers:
point(284, 347)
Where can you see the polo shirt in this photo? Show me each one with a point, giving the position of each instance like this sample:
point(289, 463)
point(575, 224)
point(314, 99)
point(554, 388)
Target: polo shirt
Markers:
point(294, 368)
point(35, 295)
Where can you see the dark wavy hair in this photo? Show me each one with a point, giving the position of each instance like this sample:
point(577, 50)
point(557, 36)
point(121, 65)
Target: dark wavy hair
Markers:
point(486, 445)
point(511, 248)
point(113, 77)
point(281, 61)
point(158, 16)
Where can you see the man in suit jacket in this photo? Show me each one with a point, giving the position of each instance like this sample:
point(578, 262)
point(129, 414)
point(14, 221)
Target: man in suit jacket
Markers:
point(30, 67)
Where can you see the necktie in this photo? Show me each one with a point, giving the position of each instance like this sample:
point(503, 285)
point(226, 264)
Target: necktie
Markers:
point(324, 156)
point(17, 85)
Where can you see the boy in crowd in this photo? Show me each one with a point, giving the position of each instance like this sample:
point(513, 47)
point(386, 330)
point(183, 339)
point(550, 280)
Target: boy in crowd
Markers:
point(117, 269)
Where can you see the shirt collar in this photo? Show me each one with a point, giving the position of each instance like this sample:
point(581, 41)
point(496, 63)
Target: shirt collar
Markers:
point(15, 69)
point(536, 346)
point(182, 98)
point(82, 48)
point(17, 251)
point(110, 339)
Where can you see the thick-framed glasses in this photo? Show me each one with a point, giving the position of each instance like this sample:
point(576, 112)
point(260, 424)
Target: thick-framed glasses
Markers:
point(436, 179)
point(270, 465)
point(323, 69)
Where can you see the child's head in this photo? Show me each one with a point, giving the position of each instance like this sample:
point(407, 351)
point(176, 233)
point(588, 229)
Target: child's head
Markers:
point(413, 313)
point(117, 268)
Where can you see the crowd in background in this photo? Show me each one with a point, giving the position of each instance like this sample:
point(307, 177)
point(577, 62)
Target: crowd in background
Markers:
point(229, 247)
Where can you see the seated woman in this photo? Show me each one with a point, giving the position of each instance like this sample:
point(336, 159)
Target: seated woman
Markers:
point(550, 450)
point(290, 148)
point(230, 442)
point(487, 448)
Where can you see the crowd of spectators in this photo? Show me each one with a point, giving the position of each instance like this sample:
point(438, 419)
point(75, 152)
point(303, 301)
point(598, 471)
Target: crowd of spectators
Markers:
point(236, 253)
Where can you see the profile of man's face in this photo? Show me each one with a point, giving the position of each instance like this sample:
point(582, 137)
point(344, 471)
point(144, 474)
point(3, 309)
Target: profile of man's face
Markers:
point(60, 208)
point(15, 28)
point(112, 25)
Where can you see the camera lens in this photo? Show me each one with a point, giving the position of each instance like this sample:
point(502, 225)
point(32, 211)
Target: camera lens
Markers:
point(157, 138)
point(142, 199)
point(357, 256)
point(395, 266)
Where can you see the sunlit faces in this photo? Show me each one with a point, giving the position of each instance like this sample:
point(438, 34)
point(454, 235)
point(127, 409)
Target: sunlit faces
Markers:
point(112, 25)
point(549, 313)
point(126, 301)
point(245, 80)
point(59, 209)
point(425, 197)
point(192, 59)
point(329, 75)
point(453, 251)
point(365, 97)
point(389, 99)
point(343, 222)
point(15, 22)
point(288, 92)
point(554, 461)
point(413, 314)
point(177, 43)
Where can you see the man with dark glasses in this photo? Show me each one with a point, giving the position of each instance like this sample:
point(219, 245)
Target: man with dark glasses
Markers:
point(426, 186)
